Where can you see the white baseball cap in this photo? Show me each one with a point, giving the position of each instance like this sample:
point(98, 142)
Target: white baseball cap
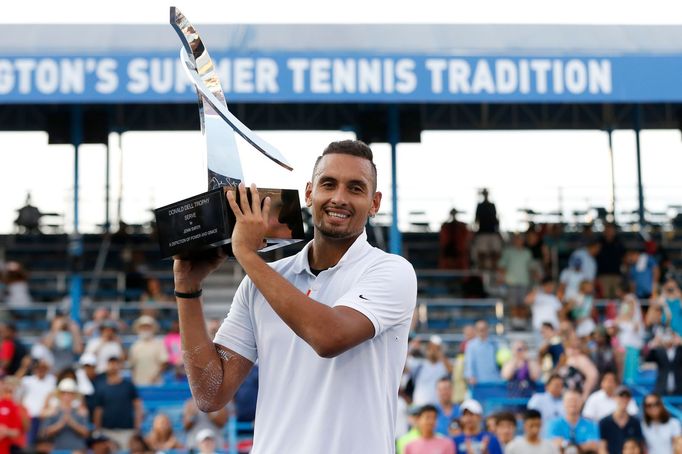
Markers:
point(68, 385)
point(203, 434)
point(88, 359)
point(472, 406)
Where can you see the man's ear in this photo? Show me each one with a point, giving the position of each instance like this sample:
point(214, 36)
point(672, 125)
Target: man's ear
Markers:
point(309, 194)
point(376, 203)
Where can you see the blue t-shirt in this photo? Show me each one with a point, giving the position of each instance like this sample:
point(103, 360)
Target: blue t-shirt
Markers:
point(117, 404)
point(643, 278)
point(476, 442)
point(443, 420)
point(584, 431)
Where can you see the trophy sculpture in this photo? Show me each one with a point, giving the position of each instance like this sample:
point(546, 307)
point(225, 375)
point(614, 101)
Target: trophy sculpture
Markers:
point(197, 225)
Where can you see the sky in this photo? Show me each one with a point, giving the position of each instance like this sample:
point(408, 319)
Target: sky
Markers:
point(543, 170)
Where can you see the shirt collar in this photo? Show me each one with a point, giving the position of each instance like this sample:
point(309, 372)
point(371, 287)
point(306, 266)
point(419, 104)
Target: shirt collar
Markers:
point(354, 252)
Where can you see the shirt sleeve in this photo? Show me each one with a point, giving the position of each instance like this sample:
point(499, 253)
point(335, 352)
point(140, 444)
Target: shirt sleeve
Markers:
point(589, 411)
point(386, 293)
point(675, 428)
point(593, 433)
point(494, 446)
point(236, 331)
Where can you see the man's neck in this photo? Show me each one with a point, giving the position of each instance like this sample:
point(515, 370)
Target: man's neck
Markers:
point(445, 404)
point(573, 419)
point(326, 252)
point(620, 416)
point(533, 441)
point(114, 378)
point(428, 435)
point(470, 432)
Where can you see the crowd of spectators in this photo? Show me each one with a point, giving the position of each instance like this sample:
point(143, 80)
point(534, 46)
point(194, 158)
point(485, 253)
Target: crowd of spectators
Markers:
point(78, 390)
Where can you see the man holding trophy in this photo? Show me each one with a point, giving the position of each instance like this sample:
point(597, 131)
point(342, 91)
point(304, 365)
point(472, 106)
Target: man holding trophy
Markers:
point(328, 326)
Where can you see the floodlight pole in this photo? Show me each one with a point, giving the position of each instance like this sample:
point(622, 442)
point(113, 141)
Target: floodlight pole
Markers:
point(76, 241)
point(395, 237)
point(640, 186)
point(613, 176)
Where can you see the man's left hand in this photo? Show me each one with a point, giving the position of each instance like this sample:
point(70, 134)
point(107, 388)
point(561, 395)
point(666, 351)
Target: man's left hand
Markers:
point(252, 221)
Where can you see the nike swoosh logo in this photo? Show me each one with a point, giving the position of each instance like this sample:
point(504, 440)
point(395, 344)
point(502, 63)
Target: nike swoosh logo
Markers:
point(362, 297)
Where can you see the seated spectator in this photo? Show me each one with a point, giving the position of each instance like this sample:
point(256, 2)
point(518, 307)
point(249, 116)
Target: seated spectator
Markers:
point(609, 261)
point(571, 429)
point(580, 309)
point(118, 408)
point(447, 409)
point(9, 390)
point(551, 349)
point(454, 240)
point(161, 436)
point(570, 279)
point(578, 371)
point(35, 389)
point(549, 403)
point(587, 256)
point(67, 427)
point(633, 447)
point(106, 346)
point(670, 302)
point(195, 421)
point(429, 441)
point(660, 429)
point(427, 371)
point(480, 362)
point(87, 378)
point(64, 341)
point(92, 327)
point(99, 443)
point(473, 439)
point(206, 440)
point(137, 445)
point(631, 335)
point(531, 442)
point(173, 345)
point(666, 352)
point(12, 350)
point(505, 427)
point(545, 306)
point(620, 425)
point(643, 273)
point(605, 350)
point(604, 402)
point(11, 421)
point(515, 268)
point(520, 372)
point(52, 402)
point(16, 286)
point(148, 356)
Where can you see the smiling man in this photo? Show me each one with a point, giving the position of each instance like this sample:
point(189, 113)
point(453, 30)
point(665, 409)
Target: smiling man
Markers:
point(328, 326)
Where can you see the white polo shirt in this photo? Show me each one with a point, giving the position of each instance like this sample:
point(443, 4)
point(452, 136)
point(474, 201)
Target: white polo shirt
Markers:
point(343, 405)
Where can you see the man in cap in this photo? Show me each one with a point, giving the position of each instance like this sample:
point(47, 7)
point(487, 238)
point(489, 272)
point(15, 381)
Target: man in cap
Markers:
point(105, 346)
point(68, 427)
point(148, 355)
point(620, 425)
point(604, 401)
point(36, 388)
point(205, 439)
point(473, 439)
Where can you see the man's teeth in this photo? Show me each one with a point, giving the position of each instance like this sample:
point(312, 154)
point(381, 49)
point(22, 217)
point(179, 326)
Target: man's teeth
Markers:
point(337, 215)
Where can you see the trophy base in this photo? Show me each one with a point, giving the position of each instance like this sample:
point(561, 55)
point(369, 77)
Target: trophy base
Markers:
point(196, 227)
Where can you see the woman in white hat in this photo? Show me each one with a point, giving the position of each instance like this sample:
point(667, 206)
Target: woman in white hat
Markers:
point(67, 428)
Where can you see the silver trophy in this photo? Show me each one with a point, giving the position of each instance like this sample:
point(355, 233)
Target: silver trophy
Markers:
point(199, 224)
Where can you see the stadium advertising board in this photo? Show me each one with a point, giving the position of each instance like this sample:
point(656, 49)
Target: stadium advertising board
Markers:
point(138, 78)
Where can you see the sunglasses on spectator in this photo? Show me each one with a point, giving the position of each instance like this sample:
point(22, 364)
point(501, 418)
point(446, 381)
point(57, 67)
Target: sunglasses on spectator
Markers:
point(652, 404)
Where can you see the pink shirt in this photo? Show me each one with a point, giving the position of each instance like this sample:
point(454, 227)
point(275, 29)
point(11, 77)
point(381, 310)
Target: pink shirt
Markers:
point(172, 343)
point(435, 445)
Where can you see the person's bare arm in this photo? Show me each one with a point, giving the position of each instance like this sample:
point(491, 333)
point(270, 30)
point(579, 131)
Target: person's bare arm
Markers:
point(139, 413)
point(508, 369)
point(214, 372)
point(219, 418)
point(97, 418)
point(330, 331)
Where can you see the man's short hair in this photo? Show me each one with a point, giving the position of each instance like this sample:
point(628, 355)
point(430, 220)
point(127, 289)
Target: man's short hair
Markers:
point(547, 280)
point(548, 325)
point(531, 414)
point(554, 377)
point(424, 408)
point(353, 148)
point(505, 416)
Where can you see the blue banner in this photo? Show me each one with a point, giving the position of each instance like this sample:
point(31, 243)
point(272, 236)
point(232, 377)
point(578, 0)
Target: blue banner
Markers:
point(159, 78)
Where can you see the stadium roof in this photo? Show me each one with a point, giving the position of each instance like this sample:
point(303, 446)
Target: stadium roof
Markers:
point(463, 39)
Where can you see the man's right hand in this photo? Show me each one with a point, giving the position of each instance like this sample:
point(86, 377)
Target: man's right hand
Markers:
point(189, 274)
